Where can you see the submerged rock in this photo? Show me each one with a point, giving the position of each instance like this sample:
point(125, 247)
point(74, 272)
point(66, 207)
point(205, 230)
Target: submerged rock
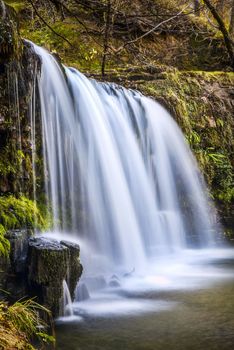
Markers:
point(114, 283)
point(82, 292)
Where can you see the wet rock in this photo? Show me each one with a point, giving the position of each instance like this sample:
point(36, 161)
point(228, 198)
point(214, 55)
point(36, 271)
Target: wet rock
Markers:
point(74, 267)
point(82, 292)
point(18, 66)
point(19, 248)
point(49, 263)
point(115, 277)
point(114, 283)
point(14, 273)
point(95, 283)
point(130, 273)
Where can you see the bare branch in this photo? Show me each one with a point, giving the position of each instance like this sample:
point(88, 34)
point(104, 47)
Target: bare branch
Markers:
point(150, 31)
point(42, 19)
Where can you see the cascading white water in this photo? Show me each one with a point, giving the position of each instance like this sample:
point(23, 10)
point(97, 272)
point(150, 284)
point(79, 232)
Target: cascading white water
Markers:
point(67, 300)
point(119, 174)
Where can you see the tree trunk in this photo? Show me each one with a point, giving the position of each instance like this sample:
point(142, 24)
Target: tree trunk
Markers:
point(106, 36)
point(196, 6)
point(231, 27)
point(223, 29)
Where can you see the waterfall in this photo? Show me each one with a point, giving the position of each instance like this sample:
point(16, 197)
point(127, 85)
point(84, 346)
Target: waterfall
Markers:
point(119, 174)
point(67, 301)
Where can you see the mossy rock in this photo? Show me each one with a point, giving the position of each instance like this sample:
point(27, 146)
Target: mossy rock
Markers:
point(50, 262)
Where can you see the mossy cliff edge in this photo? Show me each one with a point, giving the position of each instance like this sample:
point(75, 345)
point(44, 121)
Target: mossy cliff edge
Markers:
point(17, 74)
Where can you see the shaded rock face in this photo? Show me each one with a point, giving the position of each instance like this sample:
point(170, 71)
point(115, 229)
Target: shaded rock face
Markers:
point(15, 272)
point(37, 267)
point(18, 64)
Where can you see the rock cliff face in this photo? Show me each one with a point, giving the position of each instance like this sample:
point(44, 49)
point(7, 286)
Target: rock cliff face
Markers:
point(17, 74)
point(35, 267)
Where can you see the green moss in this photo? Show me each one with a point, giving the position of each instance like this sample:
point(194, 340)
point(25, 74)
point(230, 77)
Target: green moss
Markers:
point(83, 54)
point(20, 212)
point(10, 162)
point(4, 243)
point(17, 5)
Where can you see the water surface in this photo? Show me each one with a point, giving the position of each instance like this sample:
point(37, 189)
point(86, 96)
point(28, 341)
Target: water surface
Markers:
point(195, 314)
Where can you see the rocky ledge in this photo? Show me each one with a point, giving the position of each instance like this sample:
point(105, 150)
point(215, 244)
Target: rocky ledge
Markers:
point(37, 268)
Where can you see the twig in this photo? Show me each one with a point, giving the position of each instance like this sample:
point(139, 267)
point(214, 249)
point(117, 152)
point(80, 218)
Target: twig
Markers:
point(79, 21)
point(150, 31)
point(42, 19)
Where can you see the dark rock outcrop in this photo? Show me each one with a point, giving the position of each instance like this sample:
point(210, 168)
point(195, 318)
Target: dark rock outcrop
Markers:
point(37, 267)
point(74, 268)
point(18, 66)
point(15, 272)
point(49, 263)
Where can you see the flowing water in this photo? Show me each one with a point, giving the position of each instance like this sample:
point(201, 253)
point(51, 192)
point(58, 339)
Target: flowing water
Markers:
point(199, 320)
point(122, 182)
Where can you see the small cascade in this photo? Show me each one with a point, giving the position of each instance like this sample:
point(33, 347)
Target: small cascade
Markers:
point(67, 301)
point(32, 120)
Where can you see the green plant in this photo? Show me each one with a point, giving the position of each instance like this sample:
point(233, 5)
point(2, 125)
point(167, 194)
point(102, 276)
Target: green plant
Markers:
point(4, 243)
point(214, 156)
point(193, 138)
point(17, 5)
point(19, 324)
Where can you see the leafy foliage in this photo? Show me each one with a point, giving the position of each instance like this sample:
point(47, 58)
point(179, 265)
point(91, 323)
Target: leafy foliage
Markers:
point(19, 325)
point(4, 243)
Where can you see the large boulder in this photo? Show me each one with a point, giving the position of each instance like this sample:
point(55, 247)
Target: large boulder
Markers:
point(37, 267)
point(49, 263)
